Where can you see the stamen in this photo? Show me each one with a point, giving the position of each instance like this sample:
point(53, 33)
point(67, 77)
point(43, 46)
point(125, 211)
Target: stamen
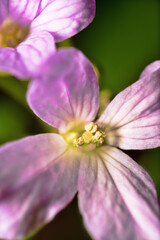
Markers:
point(91, 127)
point(87, 136)
point(80, 141)
point(91, 136)
point(97, 135)
point(100, 141)
point(11, 34)
point(94, 129)
point(75, 142)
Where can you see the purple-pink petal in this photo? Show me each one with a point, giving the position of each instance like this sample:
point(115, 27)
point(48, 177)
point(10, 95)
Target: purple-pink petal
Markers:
point(151, 68)
point(66, 90)
point(34, 51)
point(25, 60)
point(3, 10)
point(132, 119)
point(11, 62)
point(117, 197)
point(38, 178)
point(64, 18)
point(23, 11)
point(48, 21)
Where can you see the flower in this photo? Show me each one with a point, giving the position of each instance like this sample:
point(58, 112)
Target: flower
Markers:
point(30, 28)
point(41, 174)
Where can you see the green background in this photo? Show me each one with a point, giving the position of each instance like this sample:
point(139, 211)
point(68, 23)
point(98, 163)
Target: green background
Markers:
point(121, 41)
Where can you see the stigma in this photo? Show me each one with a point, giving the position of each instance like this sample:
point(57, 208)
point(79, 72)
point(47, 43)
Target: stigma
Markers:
point(12, 34)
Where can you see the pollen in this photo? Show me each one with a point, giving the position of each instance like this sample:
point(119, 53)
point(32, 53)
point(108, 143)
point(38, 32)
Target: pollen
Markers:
point(91, 127)
point(87, 137)
point(97, 135)
point(12, 34)
point(80, 141)
point(91, 136)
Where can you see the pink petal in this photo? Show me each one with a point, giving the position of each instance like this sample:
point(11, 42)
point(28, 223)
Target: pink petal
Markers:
point(132, 119)
point(3, 10)
point(66, 90)
point(117, 197)
point(24, 61)
point(23, 11)
point(11, 62)
point(38, 178)
point(151, 68)
point(36, 49)
point(64, 18)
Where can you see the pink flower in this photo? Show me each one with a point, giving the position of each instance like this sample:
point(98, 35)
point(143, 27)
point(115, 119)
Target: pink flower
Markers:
point(41, 174)
point(30, 28)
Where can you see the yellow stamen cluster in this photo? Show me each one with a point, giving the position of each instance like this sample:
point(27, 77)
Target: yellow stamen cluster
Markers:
point(11, 34)
point(91, 135)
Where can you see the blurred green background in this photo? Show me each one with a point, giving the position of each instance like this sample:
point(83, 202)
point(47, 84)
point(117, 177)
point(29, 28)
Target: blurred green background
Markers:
point(121, 41)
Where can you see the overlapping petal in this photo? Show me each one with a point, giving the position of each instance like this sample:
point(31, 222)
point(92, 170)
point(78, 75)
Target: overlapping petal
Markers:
point(132, 119)
point(25, 60)
point(117, 197)
point(64, 18)
point(23, 11)
point(11, 62)
point(66, 90)
point(35, 50)
point(38, 178)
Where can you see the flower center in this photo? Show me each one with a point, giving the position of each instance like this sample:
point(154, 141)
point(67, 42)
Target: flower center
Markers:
point(12, 34)
point(87, 138)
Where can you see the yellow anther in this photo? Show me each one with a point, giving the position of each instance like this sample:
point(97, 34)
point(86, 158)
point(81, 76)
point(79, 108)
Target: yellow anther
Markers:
point(80, 141)
point(88, 127)
point(94, 129)
point(75, 142)
point(100, 141)
point(91, 127)
point(87, 137)
point(97, 135)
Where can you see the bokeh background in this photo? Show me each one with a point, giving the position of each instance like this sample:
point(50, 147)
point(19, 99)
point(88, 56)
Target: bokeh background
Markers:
point(120, 42)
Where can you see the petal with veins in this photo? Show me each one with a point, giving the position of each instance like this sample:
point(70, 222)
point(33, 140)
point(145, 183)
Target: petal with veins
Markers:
point(117, 198)
point(25, 60)
point(11, 62)
point(23, 11)
point(132, 119)
point(151, 68)
point(35, 50)
point(64, 18)
point(38, 178)
point(66, 90)
point(3, 10)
